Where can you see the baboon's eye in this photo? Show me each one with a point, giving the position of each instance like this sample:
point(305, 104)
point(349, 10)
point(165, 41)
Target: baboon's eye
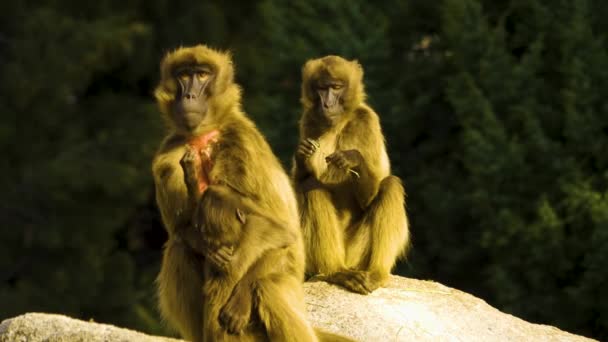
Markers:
point(336, 86)
point(183, 76)
point(202, 75)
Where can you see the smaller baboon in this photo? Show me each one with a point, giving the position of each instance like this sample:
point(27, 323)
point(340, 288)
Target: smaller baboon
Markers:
point(352, 209)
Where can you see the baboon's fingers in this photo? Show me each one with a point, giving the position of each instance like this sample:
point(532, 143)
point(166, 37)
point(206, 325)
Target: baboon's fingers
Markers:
point(356, 281)
point(361, 276)
point(305, 150)
point(307, 143)
point(313, 142)
point(212, 258)
point(188, 164)
point(356, 286)
point(307, 147)
point(233, 322)
point(364, 281)
point(306, 153)
point(216, 260)
point(235, 327)
point(224, 253)
point(225, 322)
point(303, 146)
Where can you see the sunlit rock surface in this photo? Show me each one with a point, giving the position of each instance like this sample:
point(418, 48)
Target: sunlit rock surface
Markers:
point(405, 310)
point(416, 310)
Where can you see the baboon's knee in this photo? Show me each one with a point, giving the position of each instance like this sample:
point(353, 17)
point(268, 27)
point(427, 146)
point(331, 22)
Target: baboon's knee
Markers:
point(391, 191)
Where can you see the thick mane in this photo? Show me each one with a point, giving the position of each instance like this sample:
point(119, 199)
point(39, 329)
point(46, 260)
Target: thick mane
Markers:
point(336, 67)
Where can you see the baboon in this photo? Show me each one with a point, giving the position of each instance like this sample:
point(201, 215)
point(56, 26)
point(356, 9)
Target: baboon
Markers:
point(212, 146)
point(352, 209)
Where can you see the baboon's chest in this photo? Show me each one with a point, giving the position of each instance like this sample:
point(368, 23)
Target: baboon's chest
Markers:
point(329, 142)
point(334, 139)
point(204, 145)
point(342, 191)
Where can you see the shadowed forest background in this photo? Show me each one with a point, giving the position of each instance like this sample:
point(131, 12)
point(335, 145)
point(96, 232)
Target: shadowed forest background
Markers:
point(495, 115)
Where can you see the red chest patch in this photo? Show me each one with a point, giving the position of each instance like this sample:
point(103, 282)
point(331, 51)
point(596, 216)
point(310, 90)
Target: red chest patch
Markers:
point(204, 146)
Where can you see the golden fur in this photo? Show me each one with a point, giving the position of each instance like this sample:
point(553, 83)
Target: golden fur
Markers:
point(354, 221)
point(192, 294)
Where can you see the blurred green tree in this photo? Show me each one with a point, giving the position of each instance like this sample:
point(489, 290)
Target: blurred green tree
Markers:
point(525, 84)
point(76, 141)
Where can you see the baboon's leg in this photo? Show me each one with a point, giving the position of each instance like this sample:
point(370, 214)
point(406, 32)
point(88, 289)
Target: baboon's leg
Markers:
point(235, 315)
point(376, 242)
point(280, 306)
point(323, 238)
point(389, 227)
point(180, 290)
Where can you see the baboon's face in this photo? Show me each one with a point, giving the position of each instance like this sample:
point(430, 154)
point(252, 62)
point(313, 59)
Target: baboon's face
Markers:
point(191, 102)
point(330, 93)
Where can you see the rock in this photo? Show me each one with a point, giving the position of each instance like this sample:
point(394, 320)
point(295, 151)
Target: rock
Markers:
point(417, 310)
point(405, 310)
point(38, 327)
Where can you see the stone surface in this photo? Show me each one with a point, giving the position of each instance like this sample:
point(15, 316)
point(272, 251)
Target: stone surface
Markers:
point(417, 310)
point(405, 310)
point(39, 327)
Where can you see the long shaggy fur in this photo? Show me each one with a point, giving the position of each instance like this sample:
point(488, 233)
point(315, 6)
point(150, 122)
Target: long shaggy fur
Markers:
point(354, 226)
point(268, 262)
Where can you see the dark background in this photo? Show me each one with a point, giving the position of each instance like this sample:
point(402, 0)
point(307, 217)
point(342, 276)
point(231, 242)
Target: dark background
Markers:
point(495, 116)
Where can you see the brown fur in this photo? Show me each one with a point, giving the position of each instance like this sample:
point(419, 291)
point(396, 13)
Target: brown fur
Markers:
point(192, 294)
point(355, 226)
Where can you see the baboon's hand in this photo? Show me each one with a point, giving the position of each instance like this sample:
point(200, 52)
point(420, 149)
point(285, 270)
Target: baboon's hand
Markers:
point(306, 148)
point(220, 258)
point(235, 315)
point(188, 164)
point(345, 159)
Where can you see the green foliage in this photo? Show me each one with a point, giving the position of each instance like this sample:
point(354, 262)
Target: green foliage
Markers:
point(493, 112)
point(76, 149)
point(532, 126)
